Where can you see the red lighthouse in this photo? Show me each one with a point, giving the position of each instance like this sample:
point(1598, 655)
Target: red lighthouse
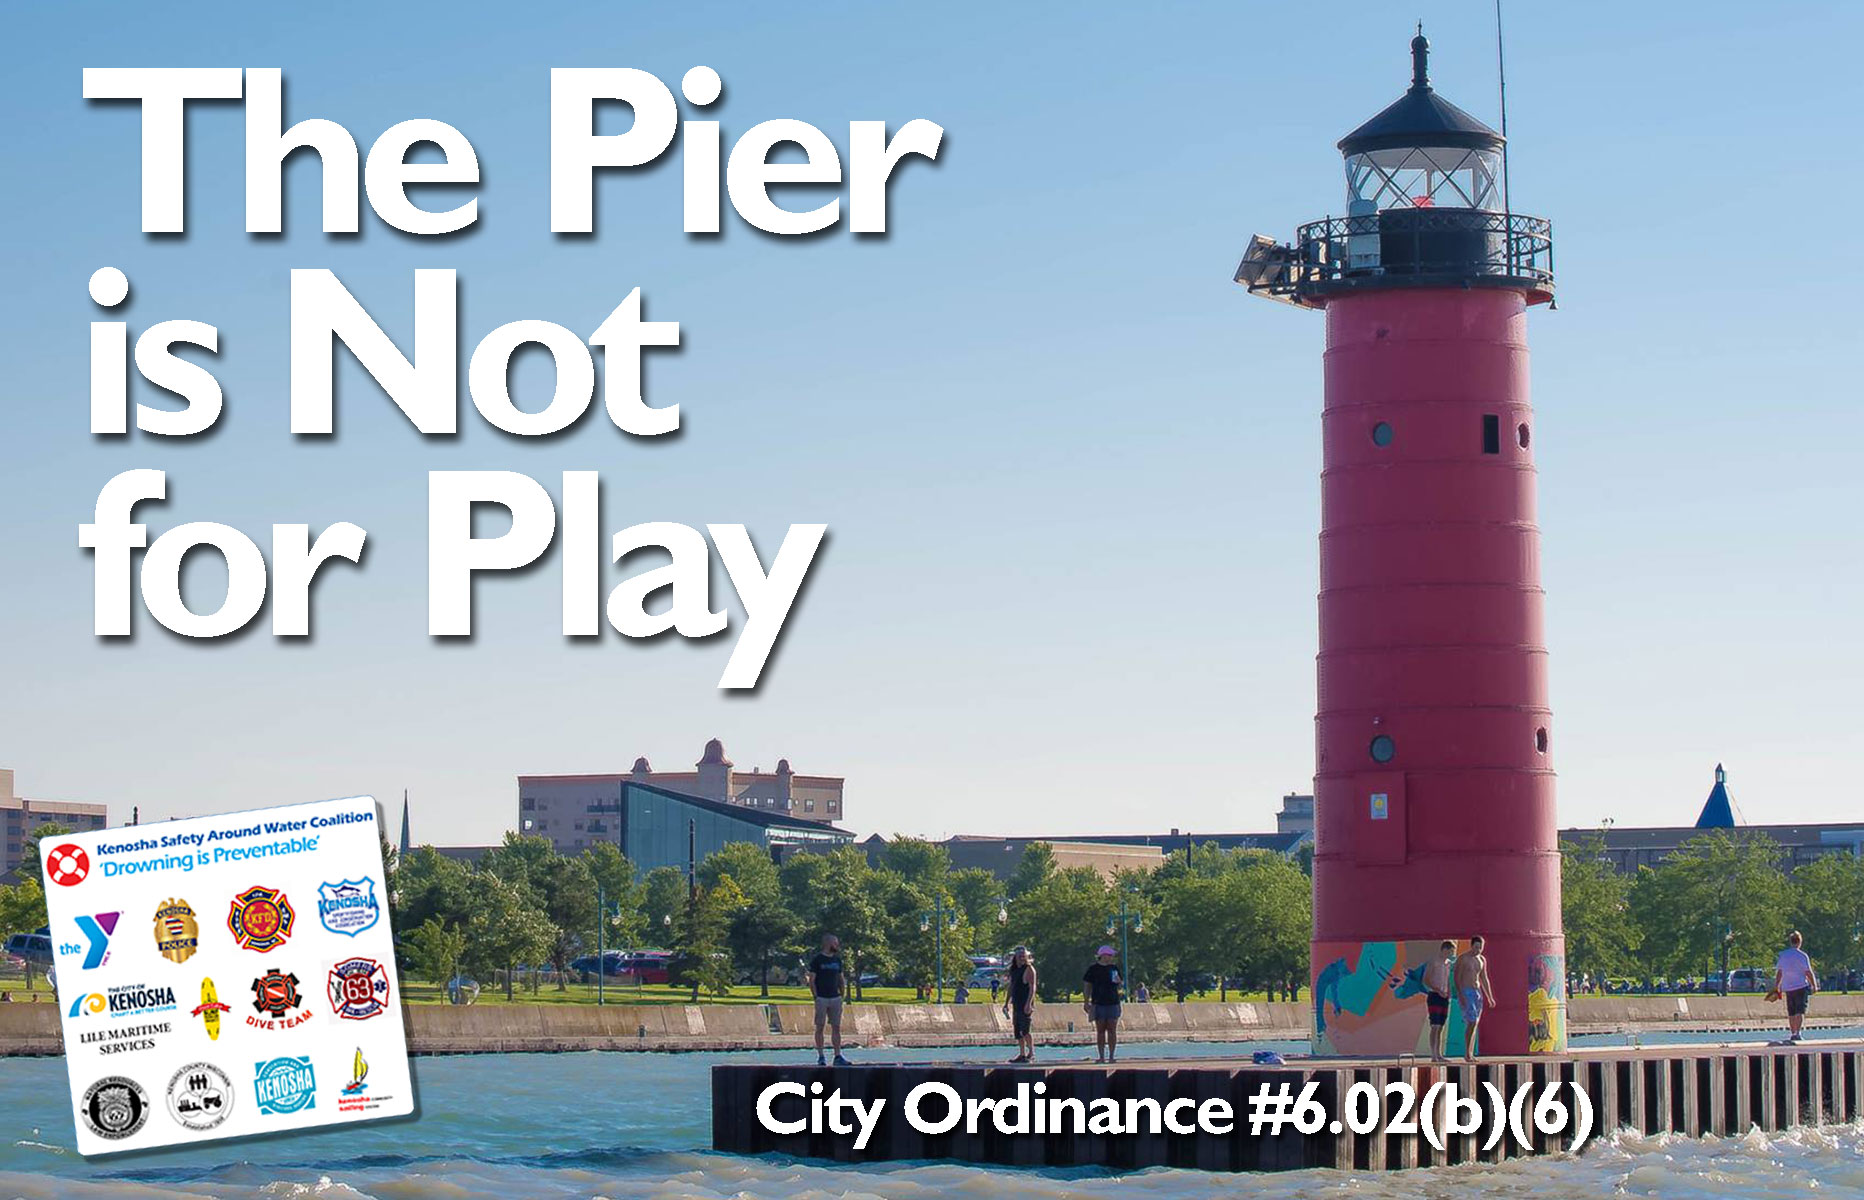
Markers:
point(1433, 776)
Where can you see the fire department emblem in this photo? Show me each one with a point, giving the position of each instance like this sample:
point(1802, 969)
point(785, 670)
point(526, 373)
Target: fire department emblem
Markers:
point(260, 919)
point(177, 933)
point(275, 992)
point(358, 988)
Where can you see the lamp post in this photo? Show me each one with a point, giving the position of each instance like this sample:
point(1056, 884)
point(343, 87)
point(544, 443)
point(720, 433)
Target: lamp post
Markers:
point(1124, 920)
point(1728, 938)
point(603, 910)
point(938, 919)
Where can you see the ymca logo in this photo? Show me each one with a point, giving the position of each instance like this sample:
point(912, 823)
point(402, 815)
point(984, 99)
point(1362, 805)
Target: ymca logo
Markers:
point(96, 931)
point(67, 865)
point(349, 906)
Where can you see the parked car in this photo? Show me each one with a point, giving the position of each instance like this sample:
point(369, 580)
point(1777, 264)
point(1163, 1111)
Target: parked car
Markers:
point(1749, 979)
point(610, 964)
point(33, 948)
point(648, 966)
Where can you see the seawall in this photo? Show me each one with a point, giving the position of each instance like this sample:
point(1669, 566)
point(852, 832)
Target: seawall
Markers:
point(33, 1029)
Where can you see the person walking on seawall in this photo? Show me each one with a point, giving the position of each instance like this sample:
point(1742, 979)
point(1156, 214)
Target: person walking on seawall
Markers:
point(826, 984)
point(1019, 1004)
point(1437, 996)
point(961, 994)
point(1102, 1002)
point(995, 985)
point(1471, 976)
point(1794, 978)
point(1142, 994)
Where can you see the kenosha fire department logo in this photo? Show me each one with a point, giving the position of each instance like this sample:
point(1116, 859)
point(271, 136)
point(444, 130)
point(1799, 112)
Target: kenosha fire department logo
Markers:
point(358, 988)
point(177, 933)
point(275, 992)
point(260, 919)
point(67, 865)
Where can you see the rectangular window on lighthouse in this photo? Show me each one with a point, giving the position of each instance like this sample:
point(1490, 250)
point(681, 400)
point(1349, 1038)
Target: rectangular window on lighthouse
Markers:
point(1491, 433)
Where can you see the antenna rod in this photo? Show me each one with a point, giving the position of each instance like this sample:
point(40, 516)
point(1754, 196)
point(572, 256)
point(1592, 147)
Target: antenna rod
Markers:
point(1501, 75)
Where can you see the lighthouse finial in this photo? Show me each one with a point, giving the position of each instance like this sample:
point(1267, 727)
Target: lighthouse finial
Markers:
point(1420, 61)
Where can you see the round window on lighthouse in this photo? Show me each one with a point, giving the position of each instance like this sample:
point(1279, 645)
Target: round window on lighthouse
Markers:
point(1383, 748)
point(1382, 434)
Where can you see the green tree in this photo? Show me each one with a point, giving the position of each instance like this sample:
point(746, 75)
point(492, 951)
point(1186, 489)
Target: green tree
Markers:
point(434, 951)
point(1595, 906)
point(522, 858)
point(761, 929)
point(834, 893)
point(922, 864)
point(626, 921)
point(1061, 920)
point(506, 927)
point(569, 903)
point(22, 910)
point(431, 886)
point(981, 897)
point(1716, 885)
point(663, 899)
point(1191, 934)
point(924, 946)
point(1277, 899)
point(1828, 895)
point(702, 954)
point(28, 867)
point(1035, 867)
point(748, 864)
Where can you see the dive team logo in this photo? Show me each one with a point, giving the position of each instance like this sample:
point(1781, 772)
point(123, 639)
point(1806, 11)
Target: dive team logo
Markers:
point(276, 993)
point(358, 989)
point(349, 906)
point(97, 931)
point(177, 933)
point(209, 1010)
point(200, 1096)
point(260, 919)
point(285, 1085)
point(67, 865)
point(114, 1107)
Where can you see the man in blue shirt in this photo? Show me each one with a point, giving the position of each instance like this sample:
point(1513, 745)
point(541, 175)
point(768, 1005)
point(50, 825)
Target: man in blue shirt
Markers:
point(826, 985)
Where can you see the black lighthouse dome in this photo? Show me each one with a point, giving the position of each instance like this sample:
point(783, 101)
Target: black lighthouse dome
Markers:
point(1426, 206)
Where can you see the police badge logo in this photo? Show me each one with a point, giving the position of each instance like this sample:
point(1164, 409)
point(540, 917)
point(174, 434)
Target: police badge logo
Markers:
point(260, 919)
point(200, 1096)
point(348, 906)
point(177, 933)
point(358, 989)
point(114, 1107)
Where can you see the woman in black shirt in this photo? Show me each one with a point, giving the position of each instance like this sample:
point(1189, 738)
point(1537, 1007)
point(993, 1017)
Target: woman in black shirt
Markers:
point(1102, 1002)
point(1020, 1004)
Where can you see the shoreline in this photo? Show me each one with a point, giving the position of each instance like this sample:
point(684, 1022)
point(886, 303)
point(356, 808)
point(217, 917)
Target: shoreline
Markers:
point(33, 1029)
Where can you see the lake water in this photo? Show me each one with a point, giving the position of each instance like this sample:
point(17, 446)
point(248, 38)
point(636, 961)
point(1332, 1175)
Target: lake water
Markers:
point(636, 1125)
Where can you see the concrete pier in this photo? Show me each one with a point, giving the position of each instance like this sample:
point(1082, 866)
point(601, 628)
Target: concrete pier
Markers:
point(1723, 1089)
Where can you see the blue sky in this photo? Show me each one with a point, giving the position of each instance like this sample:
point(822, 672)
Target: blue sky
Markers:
point(1069, 470)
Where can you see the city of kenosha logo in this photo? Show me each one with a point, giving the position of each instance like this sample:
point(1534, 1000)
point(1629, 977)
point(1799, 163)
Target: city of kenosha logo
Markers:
point(200, 1096)
point(260, 919)
point(114, 1107)
point(358, 989)
point(67, 865)
point(348, 906)
point(285, 1085)
point(177, 933)
point(209, 1009)
point(275, 994)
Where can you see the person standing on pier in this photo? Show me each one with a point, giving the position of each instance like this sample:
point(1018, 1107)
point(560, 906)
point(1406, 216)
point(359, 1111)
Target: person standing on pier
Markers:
point(1472, 988)
point(1437, 996)
point(1102, 1002)
point(1020, 1004)
point(1794, 978)
point(825, 984)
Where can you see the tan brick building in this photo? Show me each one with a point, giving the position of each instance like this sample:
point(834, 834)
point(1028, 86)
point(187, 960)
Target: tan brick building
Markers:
point(20, 816)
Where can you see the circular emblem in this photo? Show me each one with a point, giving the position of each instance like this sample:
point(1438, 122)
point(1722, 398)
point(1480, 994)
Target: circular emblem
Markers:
point(200, 1095)
point(275, 992)
point(114, 1107)
point(177, 933)
point(358, 988)
point(67, 864)
point(260, 919)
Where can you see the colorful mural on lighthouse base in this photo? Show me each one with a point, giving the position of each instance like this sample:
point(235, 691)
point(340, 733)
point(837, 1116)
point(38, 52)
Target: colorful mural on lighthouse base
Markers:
point(1369, 998)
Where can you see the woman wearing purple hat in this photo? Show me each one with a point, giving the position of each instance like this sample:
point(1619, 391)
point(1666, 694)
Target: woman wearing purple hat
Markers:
point(1102, 1002)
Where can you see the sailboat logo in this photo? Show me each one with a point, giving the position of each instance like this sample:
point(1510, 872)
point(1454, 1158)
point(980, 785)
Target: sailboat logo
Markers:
point(356, 1086)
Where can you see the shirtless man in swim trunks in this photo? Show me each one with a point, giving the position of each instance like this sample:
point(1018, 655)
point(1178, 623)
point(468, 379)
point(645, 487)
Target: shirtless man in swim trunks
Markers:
point(1473, 992)
point(1437, 996)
